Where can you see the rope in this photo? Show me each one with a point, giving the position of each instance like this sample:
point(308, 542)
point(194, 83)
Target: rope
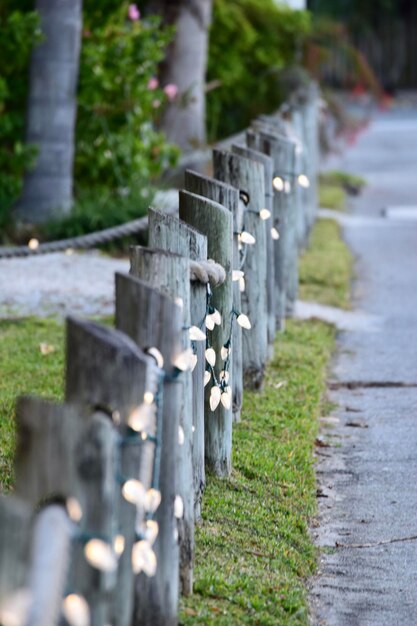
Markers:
point(207, 272)
point(81, 242)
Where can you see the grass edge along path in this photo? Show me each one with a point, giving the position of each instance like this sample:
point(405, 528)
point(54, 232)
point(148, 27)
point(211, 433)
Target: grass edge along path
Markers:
point(254, 552)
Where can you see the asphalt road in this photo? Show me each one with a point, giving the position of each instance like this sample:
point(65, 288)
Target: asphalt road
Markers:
point(368, 475)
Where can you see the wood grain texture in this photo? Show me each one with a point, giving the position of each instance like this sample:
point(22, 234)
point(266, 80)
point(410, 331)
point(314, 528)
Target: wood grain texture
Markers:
point(168, 233)
point(170, 273)
point(267, 163)
point(248, 176)
point(216, 222)
point(15, 533)
point(227, 196)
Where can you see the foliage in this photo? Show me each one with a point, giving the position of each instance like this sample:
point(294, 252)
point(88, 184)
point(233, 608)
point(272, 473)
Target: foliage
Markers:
point(18, 32)
point(251, 41)
point(351, 183)
point(25, 370)
point(116, 140)
point(326, 267)
point(332, 196)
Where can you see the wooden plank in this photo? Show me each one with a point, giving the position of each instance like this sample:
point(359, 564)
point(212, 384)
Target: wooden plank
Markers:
point(15, 534)
point(169, 233)
point(216, 222)
point(227, 196)
point(170, 273)
point(107, 371)
point(281, 151)
point(267, 163)
point(248, 176)
point(50, 562)
point(62, 456)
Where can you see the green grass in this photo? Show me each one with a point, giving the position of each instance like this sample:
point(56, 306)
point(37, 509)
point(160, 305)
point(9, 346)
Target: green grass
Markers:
point(332, 197)
point(253, 549)
point(350, 182)
point(24, 370)
point(326, 267)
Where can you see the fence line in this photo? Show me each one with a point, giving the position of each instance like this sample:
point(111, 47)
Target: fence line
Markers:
point(110, 482)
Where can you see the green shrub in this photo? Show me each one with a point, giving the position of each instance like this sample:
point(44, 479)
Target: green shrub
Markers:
point(251, 41)
point(18, 32)
point(116, 143)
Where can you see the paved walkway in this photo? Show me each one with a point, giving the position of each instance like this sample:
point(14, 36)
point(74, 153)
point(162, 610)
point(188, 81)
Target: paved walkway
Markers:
point(368, 475)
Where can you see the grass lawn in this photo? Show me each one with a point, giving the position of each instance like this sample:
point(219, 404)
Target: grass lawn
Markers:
point(326, 267)
point(253, 551)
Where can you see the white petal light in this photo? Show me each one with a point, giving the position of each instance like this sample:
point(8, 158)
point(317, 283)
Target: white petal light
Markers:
point(215, 396)
point(247, 238)
point(278, 183)
point(143, 558)
point(274, 233)
point(264, 214)
point(196, 334)
point(76, 610)
point(100, 555)
point(243, 321)
point(211, 356)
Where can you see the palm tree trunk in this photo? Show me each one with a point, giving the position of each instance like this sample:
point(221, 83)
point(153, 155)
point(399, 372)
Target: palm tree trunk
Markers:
point(47, 189)
point(184, 120)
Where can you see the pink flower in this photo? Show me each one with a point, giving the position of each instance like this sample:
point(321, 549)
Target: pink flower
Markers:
point(133, 12)
point(171, 91)
point(153, 83)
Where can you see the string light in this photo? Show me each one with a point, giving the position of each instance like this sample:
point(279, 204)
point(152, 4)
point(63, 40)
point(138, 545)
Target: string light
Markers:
point(74, 509)
point(143, 418)
point(210, 356)
point(225, 350)
point(207, 377)
point(178, 507)
point(134, 492)
point(33, 244)
point(274, 233)
point(185, 360)
point(287, 186)
point(246, 238)
point(242, 285)
point(143, 558)
point(278, 183)
point(181, 436)
point(150, 531)
point(153, 500)
point(76, 610)
point(226, 398)
point(264, 214)
point(303, 181)
point(224, 376)
point(155, 353)
point(100, 555)
point(237, 275)
point(243, 321)
point(148, 397)
point(215, 397)
point(196, 334)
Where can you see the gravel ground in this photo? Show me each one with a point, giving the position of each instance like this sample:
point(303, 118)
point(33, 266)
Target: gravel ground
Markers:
point(59, 284)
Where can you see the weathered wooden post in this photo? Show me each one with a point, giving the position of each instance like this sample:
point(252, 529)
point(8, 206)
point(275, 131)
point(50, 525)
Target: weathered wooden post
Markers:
point(310, 121)
point(286, 250)
point(107, 371)
point(266, 215)
point(300, 193)
point(169, 233)
point(216, 222)
point(248, 176)
point(63, 456)
point(170, 273)
point(227, 196)
point(15, 535)
point(153, 320)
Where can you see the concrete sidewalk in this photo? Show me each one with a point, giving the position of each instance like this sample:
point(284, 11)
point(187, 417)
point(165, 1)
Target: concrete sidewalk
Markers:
point(368, 475)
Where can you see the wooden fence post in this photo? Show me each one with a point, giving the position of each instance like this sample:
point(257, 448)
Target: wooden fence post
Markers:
point(214, 221)
point(15, 534)
point(227, 196)
point(248, 176)
point(107, 371)
point(153, 320)
point(266, 161)
point(61, 455)
point(286, 250)
point(170, 273)
point(169, 233)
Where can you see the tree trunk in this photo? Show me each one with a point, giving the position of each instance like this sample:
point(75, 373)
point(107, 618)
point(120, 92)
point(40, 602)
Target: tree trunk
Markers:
point(47, 190)
point(185, 65)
